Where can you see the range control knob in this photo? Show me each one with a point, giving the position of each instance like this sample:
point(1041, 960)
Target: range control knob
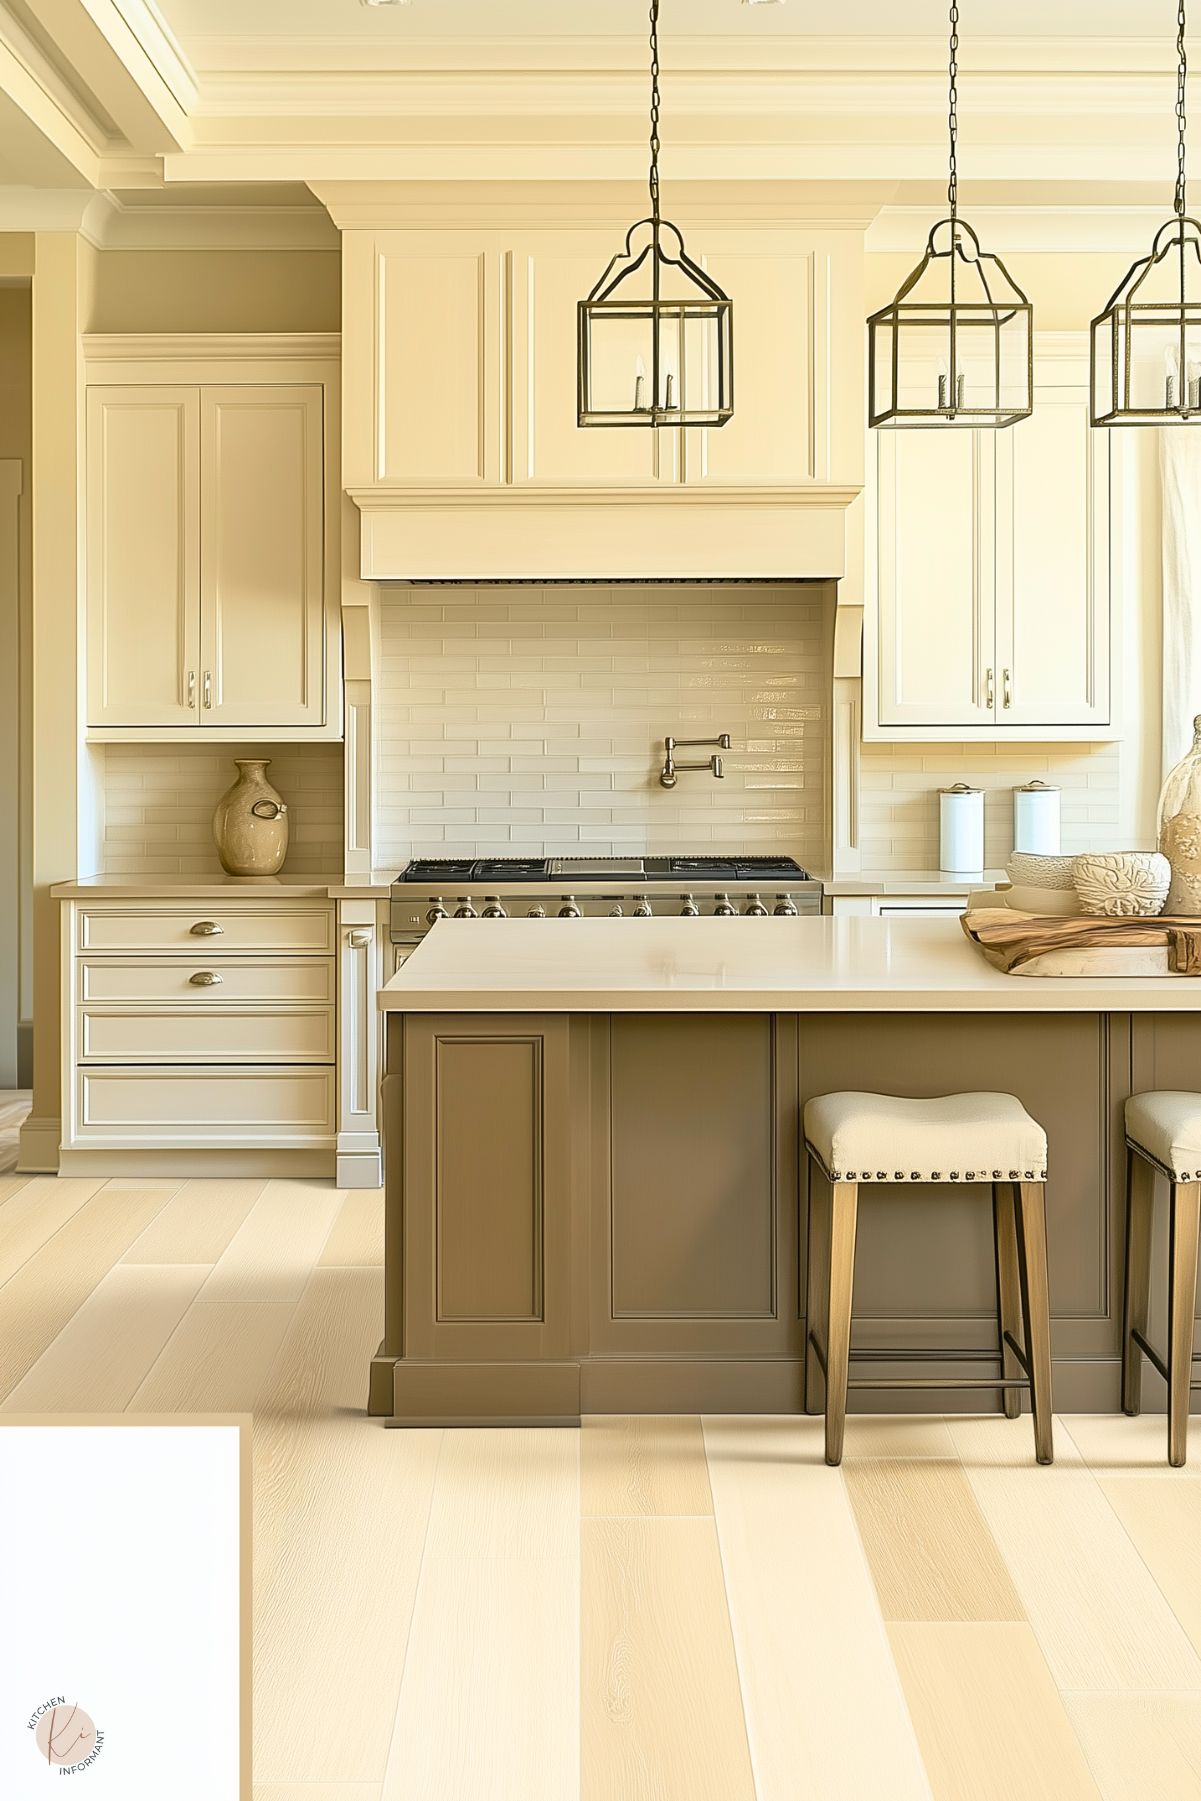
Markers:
point(569, 910)
point(466, 911)
point(493, 909)
point(755, 909)
point(784, 908)
point(536, 913)
point(617, 911)
point(643, 909)
point(436, 912)
point(725, 908)
point(689, 910)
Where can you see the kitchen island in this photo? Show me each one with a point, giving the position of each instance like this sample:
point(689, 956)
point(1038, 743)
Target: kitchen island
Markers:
point(596, 1187)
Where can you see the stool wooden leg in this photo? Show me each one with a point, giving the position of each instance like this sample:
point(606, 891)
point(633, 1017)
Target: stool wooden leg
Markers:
point(1032, 1264)
point(1140, 1191)
point(1182, 1305)
point(1009, 1294)
point(817, 1282)
point(844, 1207)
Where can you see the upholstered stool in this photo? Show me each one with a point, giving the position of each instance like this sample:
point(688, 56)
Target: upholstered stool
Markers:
point(881, 1138)
point(1163, 1132)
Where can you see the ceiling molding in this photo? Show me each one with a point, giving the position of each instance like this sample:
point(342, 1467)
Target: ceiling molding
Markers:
point(111, 224)
point(44, 209)
point(1030, 229)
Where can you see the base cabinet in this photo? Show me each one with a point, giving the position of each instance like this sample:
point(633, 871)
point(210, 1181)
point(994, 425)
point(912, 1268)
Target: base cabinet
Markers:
point(608, 1214)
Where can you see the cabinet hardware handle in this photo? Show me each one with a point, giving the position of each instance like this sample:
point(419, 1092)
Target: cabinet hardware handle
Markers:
point(358, 940)
point(1008, 700)
point(208, 687)
point(206, 928)
point(192, 688)
point(990, 698)
point(206, 978)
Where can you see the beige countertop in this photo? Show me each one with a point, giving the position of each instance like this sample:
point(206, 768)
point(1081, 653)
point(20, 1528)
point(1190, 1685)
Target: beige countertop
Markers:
point(202, 887)
point(911, 881)
point(741, 965)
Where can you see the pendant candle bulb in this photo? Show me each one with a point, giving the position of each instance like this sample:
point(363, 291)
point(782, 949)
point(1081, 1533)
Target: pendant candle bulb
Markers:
point(954, 347)
point(1145, 348)
point(655, 337)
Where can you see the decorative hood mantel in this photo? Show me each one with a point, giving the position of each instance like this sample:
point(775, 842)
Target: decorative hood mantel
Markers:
point(461, 447)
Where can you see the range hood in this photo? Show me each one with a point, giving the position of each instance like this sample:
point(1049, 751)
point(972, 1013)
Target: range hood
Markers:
point(603, 534)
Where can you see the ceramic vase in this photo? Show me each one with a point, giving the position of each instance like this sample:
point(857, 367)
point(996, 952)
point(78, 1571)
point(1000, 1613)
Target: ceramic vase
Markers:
point(250, 824)
point(1180, 829)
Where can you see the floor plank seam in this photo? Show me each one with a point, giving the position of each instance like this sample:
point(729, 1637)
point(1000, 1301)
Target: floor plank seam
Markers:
point(404, 1662)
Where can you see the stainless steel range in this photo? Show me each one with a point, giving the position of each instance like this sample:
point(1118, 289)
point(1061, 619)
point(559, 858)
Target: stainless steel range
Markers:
point(434, 888)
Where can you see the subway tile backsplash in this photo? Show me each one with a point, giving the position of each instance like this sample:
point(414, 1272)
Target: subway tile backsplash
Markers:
point(520, 718)
point(898, 797)
point(159, 800)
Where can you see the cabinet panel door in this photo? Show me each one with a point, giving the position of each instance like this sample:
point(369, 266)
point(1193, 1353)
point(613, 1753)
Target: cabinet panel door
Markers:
point(1053, 574)
point(771, 437)
point(262, 549)
point(143, 557)
point(935, 575)
point(548, 443)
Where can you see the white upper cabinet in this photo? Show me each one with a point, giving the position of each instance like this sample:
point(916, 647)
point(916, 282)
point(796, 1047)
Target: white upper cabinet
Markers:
point(262, 607)
point(211, 594)
point(992, 611)
point(143, 563)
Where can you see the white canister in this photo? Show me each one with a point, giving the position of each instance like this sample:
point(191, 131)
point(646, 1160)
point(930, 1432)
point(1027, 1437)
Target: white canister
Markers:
point(1036, 819)
point(961, 830)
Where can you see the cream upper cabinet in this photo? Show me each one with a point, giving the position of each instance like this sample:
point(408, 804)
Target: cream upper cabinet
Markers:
point(262, 604)
point(143, 563)
point(1053, 564)
point(210, 598)
point(935, 600)
point(993, 606)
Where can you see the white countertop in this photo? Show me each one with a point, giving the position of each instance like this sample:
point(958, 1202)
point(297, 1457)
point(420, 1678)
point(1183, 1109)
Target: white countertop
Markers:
point(911, 881)
point(203, 887)
point(741, 965)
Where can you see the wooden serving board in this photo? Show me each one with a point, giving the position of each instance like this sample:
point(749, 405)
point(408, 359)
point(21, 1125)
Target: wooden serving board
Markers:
point(1008, 940)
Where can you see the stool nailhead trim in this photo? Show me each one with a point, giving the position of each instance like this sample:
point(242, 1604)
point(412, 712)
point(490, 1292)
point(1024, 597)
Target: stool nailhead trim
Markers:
point(970, 1175)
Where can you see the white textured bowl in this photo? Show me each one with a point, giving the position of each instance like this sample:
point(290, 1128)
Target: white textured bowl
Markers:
point(1130, 883)
point(1028, 869)
point(1043, 901)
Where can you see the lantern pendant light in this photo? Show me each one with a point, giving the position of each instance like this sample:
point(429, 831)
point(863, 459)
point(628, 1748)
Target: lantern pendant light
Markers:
point(655, 336)
point(954, 347)
point(1146, 345)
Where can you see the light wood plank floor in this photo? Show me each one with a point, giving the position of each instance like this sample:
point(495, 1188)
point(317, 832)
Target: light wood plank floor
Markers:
point(645, 1610)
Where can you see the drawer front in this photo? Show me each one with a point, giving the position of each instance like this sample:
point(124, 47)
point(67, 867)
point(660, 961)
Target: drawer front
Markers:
point(174, 979)
point(202, 1035)
point(204, 1109)
point(202, 930)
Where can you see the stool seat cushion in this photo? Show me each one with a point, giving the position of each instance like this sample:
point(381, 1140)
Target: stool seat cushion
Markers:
point(952, 1138)
point(1167, 1125)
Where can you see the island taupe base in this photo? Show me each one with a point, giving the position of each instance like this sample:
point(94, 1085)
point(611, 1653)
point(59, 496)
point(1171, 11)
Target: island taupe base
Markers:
point(594, 1214)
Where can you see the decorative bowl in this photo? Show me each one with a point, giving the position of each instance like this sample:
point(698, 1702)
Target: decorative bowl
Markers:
point(1029, 869)
point(1124, 882)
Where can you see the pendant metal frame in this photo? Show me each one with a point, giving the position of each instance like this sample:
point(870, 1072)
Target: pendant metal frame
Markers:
point(1113, 334)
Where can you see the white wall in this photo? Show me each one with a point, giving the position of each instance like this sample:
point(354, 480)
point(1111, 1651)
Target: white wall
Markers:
point(518, 718)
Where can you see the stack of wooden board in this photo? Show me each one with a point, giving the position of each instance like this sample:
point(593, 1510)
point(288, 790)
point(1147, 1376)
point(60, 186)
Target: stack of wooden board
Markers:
point(1084, 945)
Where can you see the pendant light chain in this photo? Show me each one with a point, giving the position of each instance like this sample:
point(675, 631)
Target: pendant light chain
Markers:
point(953, 114)
point(654, 172)
point(1181, 115)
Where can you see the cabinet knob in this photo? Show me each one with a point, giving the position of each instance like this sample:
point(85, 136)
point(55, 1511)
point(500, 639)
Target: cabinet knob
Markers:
point(207, 928)
point(358, 940)
point(206, 978)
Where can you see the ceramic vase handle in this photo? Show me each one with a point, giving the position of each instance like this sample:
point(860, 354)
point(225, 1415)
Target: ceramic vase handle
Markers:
point(269, 809)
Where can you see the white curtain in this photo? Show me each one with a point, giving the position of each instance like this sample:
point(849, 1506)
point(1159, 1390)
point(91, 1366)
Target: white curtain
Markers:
point(1180, 468)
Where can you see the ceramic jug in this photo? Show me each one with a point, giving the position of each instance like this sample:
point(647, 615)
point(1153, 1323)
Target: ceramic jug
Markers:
point(1180, 829)
point(250, 824)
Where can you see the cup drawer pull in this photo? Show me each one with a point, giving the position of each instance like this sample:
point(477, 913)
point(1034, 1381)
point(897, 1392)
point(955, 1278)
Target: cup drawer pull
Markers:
point(207, 928)
point(206, 978)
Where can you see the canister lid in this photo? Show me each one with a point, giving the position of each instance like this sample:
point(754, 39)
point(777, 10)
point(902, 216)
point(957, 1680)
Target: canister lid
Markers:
point(1037, 788)
point(961, 788)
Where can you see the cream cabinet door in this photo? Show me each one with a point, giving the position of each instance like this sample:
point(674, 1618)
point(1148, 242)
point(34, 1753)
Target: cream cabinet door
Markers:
point(262, 605)
point(1053, 565)
point(934, 628)
point(423, 380)
point(143, 536)
point(549, 445)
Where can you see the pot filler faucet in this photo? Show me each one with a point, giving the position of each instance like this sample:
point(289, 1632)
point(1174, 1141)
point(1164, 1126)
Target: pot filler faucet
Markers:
point(671, 770)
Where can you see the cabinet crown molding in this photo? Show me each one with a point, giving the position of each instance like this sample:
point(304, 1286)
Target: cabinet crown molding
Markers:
point(210, 346)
